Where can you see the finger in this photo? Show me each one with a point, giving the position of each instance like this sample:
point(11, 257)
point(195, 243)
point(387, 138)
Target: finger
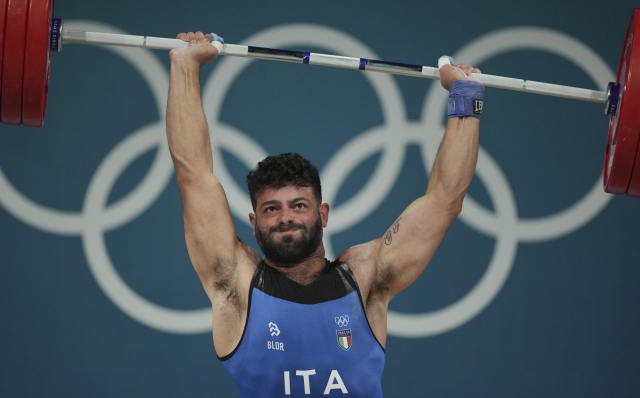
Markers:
point(467, 69)
point(199, 36)
point(182, 36)
point(462, 67)
point(191, 38)
point(476, 70)
point(445, 67)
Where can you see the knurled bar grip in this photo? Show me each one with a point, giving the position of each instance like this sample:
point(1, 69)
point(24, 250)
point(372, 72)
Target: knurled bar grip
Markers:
point(336, 61)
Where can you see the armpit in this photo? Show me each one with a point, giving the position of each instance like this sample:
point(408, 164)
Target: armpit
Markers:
point(227, 289)
point(224, 274)
point(383, 279)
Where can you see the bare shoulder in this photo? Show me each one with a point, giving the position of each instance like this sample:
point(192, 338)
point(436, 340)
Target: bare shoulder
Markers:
point(229, 294)
point(369, 271)
point(364, 263)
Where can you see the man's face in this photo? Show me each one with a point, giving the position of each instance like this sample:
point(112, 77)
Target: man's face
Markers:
point(288, 223)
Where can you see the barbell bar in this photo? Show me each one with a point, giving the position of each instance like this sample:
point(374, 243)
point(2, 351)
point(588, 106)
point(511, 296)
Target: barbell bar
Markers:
point(29, 34)
point(302, 57)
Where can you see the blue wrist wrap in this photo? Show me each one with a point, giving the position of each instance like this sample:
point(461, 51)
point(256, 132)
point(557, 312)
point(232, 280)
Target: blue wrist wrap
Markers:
point(465, 99)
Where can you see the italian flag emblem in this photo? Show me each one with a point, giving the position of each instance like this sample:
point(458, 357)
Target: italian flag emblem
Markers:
point(344, 338)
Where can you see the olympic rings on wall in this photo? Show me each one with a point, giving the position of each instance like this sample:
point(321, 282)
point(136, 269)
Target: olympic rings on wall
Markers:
point(391, 139)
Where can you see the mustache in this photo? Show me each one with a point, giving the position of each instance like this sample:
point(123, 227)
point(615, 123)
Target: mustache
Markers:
point(287, 227)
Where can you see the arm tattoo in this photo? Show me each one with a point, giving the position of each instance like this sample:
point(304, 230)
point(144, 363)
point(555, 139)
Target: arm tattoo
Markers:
point(387, 238)
point(396, 226)
point(392, 231)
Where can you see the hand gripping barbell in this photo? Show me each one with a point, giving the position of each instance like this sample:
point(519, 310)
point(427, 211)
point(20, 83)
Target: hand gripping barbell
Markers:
point(29, 34)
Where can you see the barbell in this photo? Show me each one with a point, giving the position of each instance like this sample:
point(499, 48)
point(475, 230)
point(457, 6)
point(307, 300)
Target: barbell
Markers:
point(29, 34)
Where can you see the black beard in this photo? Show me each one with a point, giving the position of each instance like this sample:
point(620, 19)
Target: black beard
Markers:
point(290, 251)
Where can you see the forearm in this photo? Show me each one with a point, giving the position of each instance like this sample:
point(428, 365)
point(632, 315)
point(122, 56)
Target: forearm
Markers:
point(187, 130)
point(456, 161)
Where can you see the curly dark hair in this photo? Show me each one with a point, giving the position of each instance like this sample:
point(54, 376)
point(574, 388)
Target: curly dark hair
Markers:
point(278, 171)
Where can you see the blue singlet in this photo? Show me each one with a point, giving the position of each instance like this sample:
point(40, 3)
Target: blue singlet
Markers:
point(311, 340)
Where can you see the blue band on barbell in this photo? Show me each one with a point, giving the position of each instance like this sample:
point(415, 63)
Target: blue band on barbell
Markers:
point(466, 98)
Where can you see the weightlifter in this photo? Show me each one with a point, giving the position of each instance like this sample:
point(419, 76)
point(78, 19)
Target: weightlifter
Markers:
point(294, 323)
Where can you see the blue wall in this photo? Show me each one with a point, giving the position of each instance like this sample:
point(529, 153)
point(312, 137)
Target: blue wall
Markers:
point(534, 292)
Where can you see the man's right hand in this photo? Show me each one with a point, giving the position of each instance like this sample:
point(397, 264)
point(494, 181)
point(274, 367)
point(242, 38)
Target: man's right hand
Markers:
point(199, 52)
point(451, 73)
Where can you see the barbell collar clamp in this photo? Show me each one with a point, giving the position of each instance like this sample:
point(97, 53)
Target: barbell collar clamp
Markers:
point(55, 42)
point(613, 98)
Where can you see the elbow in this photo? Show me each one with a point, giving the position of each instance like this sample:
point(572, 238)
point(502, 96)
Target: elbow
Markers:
point(184, 172)
point(452, 207)
point(457, 209)
point(189, 170)
point(184, 179)
point(450, 200)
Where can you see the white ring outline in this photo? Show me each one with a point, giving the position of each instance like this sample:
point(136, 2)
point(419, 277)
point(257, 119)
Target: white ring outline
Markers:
point(71, 223)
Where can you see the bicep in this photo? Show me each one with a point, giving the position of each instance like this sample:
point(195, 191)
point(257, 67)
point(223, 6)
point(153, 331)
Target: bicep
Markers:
point(407, 247)
point(209, 230)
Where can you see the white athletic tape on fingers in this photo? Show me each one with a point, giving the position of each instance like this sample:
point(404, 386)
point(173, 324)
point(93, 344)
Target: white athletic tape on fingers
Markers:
point(444, 60)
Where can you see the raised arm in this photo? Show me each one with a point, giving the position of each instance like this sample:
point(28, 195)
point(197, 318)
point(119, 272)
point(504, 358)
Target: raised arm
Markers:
point(402, 254)
point(210, 235)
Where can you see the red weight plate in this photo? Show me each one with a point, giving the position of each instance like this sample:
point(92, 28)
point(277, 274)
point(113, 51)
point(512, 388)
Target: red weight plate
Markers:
point(624, 128)
point(3, 17)
point(36, 63)
point(634, 184)
point(13, 61)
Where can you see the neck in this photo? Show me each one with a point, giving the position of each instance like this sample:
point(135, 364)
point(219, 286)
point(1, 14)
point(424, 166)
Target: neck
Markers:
point(304, 272)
